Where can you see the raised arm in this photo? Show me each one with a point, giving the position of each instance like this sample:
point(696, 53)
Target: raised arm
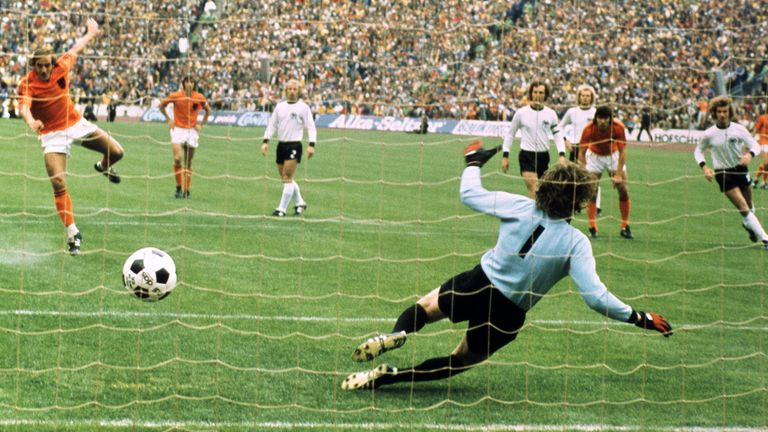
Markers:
point(93, 31)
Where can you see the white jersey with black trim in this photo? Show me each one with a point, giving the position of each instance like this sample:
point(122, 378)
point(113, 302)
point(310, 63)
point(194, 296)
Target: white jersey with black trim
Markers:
point(289, 120)
point(578, 117)
point(536, 128)
point(725, 145)
point(534, 252)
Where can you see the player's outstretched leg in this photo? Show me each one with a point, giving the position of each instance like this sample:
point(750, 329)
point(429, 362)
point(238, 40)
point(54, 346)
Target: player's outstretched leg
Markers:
point(378, 345)
point(367, 379)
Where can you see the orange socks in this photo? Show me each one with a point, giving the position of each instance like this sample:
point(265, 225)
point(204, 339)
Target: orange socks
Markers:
point(64, 207)
point(624, 207)
point(183, 177)
point(592, 214)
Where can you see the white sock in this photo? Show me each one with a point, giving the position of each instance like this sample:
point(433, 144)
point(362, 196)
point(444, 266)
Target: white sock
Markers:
point(72, 230)
point(297, 198)
point(286, 198)
point(598, 197)
point(751, 222)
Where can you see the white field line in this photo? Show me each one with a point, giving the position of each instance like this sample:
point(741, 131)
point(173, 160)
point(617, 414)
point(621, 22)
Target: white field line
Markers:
point(495, 427)
point(294, 318)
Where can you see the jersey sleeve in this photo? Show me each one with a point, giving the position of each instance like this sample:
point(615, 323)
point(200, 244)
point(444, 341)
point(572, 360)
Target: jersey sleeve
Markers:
point(310, 122)
point(619, 136)
point(701, 146)
point(502, 205)
point(66, 61)
point(24, 93)
point(593, 291)
point(272, 123)
point(510, 135)
point(557, 134)
point(749, 141)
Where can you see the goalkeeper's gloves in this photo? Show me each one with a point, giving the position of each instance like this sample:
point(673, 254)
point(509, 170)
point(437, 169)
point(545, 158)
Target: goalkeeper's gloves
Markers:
point(650, 321)
point(476, 155)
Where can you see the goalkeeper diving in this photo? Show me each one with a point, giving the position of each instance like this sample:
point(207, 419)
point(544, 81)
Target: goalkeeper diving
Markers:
point(536, 248)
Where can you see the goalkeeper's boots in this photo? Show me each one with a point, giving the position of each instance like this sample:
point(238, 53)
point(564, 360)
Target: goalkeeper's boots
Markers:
point(109, 173)
point(367, 379)
point(73, 244)
point(278, 213)
point(378, 345)
point(752, 235)
point(626, 233)
point(476, 155)
point(299, 209)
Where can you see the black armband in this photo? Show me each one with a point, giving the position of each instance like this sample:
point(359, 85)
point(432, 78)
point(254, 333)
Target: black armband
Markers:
point(632, 317)
point(701, 164)
point(311, 144)
point(505, 154)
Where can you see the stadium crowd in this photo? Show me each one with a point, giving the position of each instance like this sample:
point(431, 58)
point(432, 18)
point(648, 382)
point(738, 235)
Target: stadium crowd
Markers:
point(456, 59)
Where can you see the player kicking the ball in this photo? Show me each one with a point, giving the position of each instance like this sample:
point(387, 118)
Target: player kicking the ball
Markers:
point(535, 249)
point(46, 107)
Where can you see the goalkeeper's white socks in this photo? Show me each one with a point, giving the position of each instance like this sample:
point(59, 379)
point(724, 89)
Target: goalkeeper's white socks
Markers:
point(288, 189)
point(751, 222)
point(297, 198)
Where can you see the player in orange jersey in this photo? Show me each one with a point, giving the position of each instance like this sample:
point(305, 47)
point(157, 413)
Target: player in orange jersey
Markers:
point(187, 104)
point(761, 130)
point(45, 105)
point(603, 148)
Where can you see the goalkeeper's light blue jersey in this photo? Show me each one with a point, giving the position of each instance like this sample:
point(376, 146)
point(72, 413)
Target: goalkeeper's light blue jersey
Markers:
point(534, 252)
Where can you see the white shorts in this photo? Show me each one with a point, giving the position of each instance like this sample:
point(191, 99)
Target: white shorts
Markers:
point(597, 164)
point(184, 136)
point(764, 148)
point(61, 141)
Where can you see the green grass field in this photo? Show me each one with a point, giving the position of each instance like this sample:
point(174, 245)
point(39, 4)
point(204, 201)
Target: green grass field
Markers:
point(258, 334)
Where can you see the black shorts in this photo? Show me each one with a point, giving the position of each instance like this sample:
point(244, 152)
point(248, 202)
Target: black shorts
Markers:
point(288, 151)
point(730, 178)
point(537, 162)
point(493, 319)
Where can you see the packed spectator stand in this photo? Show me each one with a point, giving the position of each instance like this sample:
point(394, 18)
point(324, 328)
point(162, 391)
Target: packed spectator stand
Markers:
point(452, 58)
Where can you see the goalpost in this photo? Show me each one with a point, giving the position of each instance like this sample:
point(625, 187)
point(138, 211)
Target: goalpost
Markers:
point(260, 330)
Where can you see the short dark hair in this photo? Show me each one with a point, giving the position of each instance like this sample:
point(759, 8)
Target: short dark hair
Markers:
point(565, 188)
point(604, 111)
point(186, 79)
point(538, 84)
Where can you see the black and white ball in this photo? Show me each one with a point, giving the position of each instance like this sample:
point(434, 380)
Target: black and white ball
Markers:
point(150, 274)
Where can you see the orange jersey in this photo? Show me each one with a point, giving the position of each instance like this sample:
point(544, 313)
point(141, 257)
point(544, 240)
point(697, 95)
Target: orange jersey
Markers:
point(186, 108)
point(49, 100)
point(604, 143)
point(761, 127)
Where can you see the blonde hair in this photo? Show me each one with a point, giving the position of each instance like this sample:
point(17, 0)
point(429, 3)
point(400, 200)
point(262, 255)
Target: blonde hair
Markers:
point(589, 88)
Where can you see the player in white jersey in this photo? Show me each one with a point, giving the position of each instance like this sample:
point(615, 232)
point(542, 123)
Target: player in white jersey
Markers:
point(537, 124)
point(536, 248)
point(578, 117)
point(726, 140)
point(289, 119)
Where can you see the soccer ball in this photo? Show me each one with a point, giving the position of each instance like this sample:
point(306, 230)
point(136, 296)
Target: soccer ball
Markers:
point(149, 274)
